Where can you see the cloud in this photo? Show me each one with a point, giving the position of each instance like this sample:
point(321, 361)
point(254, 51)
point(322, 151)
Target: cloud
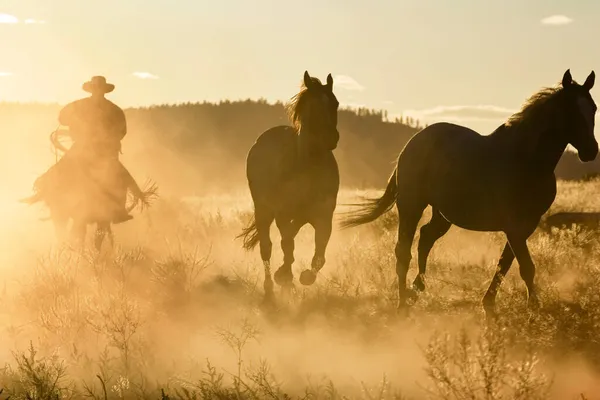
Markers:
point(347, 83)
point(557, 20)
point(144, 75)
point(34, 21)
point(462, 113)
point(8, 19)
point(11, 19)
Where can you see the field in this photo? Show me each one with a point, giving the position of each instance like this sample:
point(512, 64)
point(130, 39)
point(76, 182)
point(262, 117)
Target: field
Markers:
point(174, 312)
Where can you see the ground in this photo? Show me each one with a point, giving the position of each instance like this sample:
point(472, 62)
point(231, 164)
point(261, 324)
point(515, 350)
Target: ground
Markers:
point(175, 311)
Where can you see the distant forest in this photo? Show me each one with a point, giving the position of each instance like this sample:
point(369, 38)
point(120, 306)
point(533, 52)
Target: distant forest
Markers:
point(201, 147)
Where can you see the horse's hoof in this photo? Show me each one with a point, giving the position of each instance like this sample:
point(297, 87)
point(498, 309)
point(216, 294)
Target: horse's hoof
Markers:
point(283, 276)
point(268, 301)
point(419, 284)
point(533, 304)
point(489, 306)
point(308, 277)
point(412, 295)
point(490, 313)
point(402, 311)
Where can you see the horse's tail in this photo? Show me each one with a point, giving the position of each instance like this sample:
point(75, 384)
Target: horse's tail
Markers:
point(37, 197)
point(142, 197)
point(249, 235)
point(373, 208)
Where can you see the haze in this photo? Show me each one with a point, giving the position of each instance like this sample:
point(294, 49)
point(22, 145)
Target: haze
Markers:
point(177, 290)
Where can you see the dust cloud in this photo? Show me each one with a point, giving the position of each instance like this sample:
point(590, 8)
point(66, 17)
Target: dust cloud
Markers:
point(178, 293)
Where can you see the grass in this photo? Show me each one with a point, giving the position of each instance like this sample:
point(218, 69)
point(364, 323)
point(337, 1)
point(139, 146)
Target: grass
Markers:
point(174, 312)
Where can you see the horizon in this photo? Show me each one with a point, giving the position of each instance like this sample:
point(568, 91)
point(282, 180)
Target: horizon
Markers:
point(432, 61)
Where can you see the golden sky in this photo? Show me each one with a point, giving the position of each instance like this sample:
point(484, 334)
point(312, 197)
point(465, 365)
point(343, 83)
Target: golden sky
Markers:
point(468, 61)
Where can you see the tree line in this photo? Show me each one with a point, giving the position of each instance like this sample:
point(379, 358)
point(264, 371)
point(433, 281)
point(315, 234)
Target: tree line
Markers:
point(195, 148)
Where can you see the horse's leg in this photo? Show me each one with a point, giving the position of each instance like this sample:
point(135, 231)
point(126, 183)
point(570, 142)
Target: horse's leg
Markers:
point(408, 219)
point(78, 232)
point(518, 244)
point(111, 235)
point(437, 227)
point(288, 229)
point(323, 227)
point(504, 264)
point(103, 229)
point(99, 237)
point(264, 218)
point(60, 227)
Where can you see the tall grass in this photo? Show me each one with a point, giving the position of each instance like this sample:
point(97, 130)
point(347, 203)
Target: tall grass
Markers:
point(174, 312)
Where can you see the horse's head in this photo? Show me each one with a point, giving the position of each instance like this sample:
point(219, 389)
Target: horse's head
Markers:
point(579, 117)
point(314, 112)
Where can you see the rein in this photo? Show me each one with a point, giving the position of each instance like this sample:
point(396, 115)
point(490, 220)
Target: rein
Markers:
point(57, 146)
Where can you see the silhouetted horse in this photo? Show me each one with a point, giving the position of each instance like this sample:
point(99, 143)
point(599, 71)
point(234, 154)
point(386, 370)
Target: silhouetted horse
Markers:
point(294, 180)
point(503, 182)
point(560, 220)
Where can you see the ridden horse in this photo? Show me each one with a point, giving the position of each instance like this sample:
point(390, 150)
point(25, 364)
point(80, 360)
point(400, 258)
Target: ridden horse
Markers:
point(90, 201)
point(96, 210)
point(503, 182)
point(294, 179)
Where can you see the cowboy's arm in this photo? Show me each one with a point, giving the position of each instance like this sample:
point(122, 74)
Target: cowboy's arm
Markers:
point(120, 127)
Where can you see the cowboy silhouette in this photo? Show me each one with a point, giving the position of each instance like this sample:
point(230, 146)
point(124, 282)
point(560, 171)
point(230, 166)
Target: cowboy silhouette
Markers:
point(90, 171)
point(95, 123)
point(97, 126)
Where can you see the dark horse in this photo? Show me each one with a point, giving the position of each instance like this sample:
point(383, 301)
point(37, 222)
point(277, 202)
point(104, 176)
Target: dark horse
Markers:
point(294, 180)
point(560, 220)
point(503, 182)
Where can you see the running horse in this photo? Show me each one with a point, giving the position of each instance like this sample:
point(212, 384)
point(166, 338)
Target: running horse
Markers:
point(503, 182)
point(294, 180)
point(88, 201)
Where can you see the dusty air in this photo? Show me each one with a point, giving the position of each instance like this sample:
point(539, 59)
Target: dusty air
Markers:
point(244, 200)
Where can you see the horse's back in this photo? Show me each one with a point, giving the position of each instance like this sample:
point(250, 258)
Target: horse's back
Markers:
point(443, 138)
point(439, 149)
point(458, 171)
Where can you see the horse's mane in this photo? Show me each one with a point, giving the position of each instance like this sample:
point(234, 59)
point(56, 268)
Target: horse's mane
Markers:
point(295, 107)
point(536, 109)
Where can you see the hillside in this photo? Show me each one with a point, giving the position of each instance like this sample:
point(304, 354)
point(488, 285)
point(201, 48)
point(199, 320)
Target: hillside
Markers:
point(201, 147)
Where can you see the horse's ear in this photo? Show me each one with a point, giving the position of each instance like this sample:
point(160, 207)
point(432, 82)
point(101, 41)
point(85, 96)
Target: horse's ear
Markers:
point(307, 80)
point(567, 79)
point(330, 82)
point(589, 82)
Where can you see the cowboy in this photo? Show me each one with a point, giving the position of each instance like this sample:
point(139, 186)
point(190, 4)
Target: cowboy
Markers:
point(97, 126)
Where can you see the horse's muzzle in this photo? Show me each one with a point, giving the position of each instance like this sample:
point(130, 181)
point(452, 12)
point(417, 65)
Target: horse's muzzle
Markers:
point(332, 144)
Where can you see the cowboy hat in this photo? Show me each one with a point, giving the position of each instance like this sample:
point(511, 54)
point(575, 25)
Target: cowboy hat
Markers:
point(98, 84)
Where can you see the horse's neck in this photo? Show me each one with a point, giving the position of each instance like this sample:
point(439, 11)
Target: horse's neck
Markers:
point(307, 155)
point(546, 151)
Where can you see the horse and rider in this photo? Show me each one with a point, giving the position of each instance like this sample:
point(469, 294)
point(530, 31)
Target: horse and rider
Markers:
point(89, 184)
